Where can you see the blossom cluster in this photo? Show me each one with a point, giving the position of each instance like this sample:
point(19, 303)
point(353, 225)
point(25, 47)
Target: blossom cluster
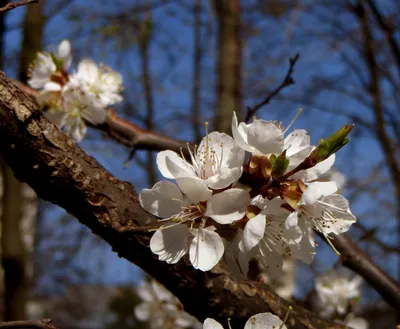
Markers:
point(209, 215)
point(71, 99)
point(161, 309)
point(337, 292)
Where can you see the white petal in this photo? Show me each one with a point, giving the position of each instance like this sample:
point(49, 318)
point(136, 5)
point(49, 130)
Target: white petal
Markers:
point(143, 311)
point(265, 137)
point(88, 70)
point(56, 117)
point(170, 244)
point(339, 210)
point(171, 165)
point(95, 115)
point(292, 220)
point(224, 178)
point(225, 148)
point(316, 171)
point(51, 86)
point(64, 52)
point(212, 324)
point(296, 141)
point(194, 188)
point(305, 249)
point(228, 206)
point(239, 135)
point(206, 249)
point(75, 128)
point(144, 291)
point(317, 190)
point(162, 200)
point(253, 233)
point(264, 321)
point(270, 261)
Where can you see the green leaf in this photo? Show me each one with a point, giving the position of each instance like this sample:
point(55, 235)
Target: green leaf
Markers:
point(331, 145)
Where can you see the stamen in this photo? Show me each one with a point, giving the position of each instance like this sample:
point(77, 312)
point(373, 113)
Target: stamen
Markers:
point(328, 239)
point(286, 317)
point(229, 323)
point(293, 120)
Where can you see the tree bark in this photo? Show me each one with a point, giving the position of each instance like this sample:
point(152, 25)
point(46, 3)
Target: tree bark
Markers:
point(228, 68)
point(60, 172)
point(14, 254)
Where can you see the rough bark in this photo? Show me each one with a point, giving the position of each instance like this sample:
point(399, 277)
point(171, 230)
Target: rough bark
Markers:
point(229, 57)
point(60, 172)
point(14, 255)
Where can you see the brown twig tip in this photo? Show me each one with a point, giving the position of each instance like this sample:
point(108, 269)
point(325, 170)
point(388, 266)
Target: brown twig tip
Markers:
point(13, 5)
point(287, 81)
point(32, 324)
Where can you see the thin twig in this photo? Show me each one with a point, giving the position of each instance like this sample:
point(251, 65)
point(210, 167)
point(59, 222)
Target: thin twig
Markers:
point(35, 324)
point(13, 5)
point(287, 81)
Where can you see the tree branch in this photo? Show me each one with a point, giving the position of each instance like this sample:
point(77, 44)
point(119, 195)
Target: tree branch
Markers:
point(60, 172)
point(13, 5)
point(32, 324)
point(355, 259)
point(287, 81)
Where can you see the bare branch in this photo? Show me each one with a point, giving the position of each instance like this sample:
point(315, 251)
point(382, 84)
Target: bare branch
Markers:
point(31, 324)
point(60, 172)
point(13, 5)
point(287, 81)
point(355, 259)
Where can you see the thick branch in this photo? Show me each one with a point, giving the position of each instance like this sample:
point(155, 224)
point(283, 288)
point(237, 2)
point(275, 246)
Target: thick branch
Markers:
point(60, 172)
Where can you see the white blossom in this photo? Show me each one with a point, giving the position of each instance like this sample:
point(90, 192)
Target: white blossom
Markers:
point(217, 162)
point(321, 209)
point(76, 107)
point(161, 309)
point(191, 211)
point(258, 321)
point(335, 291)
point(42, 72)
point(101, 82)
point(355, 322)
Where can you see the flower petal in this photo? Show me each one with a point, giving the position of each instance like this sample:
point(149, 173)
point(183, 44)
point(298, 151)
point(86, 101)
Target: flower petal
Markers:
point(162, 200)
point(194, 188)
point(317, 190)
point(316, 171)
point(143, 311)
point(296, 141)
point(212, 324)
point(225, 177)
point(265, 137)
point(228, 206)
point(171, 165)
point(264, 321)
point(206, 249)
point(170, 244)
point(253, 233)
point(240, 134)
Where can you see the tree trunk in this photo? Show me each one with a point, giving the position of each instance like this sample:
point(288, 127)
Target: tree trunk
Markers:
point(229, 97)
point(14, 253)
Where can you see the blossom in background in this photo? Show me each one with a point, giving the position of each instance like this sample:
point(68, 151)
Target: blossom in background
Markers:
point(191, 212)
point(71, 100)
point(217, 163)
point(258, 321)
point(161, 309)
point(76, 108)
point(336, 290)
point(355, 322)
point(102, 83)
point(43, 72)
